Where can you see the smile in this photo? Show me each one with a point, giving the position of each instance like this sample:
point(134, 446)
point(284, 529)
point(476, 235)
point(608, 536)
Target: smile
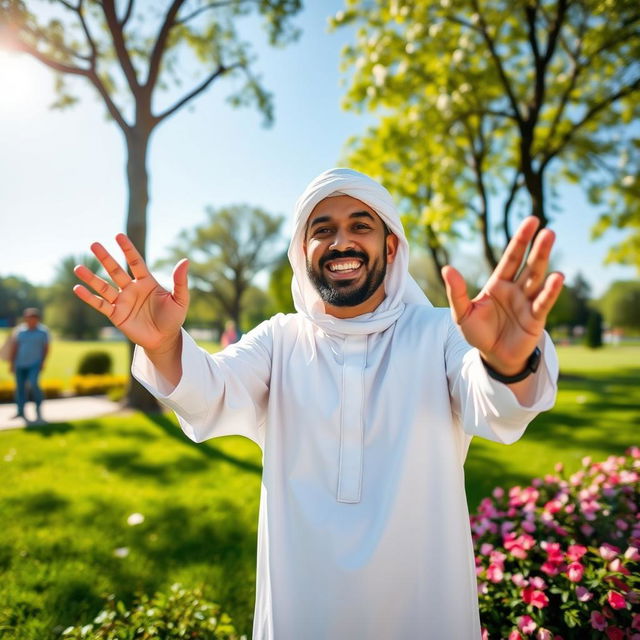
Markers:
point(350, 265)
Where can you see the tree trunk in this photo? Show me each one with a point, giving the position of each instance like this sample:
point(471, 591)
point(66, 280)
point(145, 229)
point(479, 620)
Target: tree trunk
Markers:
point(138, 182)
point(535, 186)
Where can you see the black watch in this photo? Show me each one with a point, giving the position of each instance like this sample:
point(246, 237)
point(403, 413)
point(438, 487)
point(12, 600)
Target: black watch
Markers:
point(532, 365)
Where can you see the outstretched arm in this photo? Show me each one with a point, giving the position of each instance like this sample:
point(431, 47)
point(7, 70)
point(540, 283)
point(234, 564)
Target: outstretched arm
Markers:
point(506, 319)
point(145, 312)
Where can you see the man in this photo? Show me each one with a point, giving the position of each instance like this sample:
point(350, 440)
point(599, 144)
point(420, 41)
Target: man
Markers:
point(28, 352)
point(364, 403)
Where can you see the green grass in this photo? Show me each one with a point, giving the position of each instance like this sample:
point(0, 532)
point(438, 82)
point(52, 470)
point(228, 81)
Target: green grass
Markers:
point(65, 355)
point(66, 492)
point(597, 414)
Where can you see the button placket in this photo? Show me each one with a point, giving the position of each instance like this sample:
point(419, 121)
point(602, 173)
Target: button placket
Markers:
point(351, 419)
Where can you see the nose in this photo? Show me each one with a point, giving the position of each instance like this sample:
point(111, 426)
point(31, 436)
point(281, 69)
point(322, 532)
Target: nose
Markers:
point(342, 240)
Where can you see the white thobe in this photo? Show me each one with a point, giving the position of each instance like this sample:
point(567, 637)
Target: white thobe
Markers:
point(363, 527)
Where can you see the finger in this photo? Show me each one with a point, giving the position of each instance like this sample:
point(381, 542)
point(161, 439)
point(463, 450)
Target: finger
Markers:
point(133, 257)
point(516, 249)
point(545, 300)
point(115, 271)
point(98, 303)
point(97, 284)
point(180, 284)
point(456, 293)
point(534, 273)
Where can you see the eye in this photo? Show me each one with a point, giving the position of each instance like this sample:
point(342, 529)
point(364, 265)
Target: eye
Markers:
point(361, 226)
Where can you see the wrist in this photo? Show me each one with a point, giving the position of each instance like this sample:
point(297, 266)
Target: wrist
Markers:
point(515, 373)
point(167, 346)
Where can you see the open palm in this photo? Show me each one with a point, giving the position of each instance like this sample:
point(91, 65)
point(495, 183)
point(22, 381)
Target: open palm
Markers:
point(145, 312)
point(506, 319)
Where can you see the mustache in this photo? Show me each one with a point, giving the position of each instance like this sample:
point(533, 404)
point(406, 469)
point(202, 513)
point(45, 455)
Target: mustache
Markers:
point(350, 253)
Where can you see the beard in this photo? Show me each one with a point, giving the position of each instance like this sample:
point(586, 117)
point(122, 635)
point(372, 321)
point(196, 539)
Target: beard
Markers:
point(342, 293)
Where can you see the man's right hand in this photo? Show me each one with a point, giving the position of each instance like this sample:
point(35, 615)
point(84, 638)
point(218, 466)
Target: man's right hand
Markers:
point(145, 312)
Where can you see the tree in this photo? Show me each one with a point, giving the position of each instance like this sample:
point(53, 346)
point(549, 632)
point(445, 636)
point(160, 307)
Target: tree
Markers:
point(226, 253)
point(66, 313)
point(620, 305)
point(110, 46)
point(483, 103)
point(593, 333)
point(16, 294)
point(279, 288)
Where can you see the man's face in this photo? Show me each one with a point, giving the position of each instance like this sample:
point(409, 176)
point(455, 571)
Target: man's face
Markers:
point(347, 250)
point(31, 321)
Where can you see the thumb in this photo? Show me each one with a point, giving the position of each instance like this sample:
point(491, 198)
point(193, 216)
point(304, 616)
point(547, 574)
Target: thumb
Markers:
point(180, 283)
point(456, 293)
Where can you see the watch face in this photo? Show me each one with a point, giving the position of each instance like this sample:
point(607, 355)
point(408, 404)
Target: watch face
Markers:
point(534, 359)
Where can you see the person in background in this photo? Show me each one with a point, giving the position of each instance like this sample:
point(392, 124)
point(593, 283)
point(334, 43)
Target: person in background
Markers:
point(229, 335)
point(29, 349)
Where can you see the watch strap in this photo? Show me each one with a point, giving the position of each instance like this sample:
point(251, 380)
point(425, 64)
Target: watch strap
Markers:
point(533, 362)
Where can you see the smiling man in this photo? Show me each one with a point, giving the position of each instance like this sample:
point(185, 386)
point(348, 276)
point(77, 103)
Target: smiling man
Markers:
point(364, 403)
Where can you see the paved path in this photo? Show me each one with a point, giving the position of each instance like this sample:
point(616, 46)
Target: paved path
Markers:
point(58, 410)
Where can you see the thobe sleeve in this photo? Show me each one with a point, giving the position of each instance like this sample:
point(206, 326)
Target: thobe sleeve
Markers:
point(488, 408)
point(218, 394)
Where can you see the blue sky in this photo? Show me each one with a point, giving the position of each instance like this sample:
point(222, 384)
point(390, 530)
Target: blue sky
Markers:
point(62, 173)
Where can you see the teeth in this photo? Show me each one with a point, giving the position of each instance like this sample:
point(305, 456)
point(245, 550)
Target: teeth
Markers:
point(344, 266)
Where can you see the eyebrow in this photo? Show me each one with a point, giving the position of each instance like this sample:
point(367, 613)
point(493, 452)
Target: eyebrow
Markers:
point(355, 214)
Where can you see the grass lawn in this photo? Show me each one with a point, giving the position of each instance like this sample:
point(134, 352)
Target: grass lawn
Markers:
point(66, 492)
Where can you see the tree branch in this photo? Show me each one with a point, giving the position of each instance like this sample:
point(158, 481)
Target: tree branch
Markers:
point(85, 28)
point(515, 186)
point(206, 7)
point(594, 110)
point(160, 44)
point(498, 63)
point(90, 74)
point(199, 89)
point(117, 35)
point(127, 14)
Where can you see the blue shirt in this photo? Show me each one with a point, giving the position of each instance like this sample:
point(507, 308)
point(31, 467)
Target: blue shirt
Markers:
point(31, 345)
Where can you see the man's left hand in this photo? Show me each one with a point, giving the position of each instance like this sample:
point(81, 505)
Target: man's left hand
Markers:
point(506, 319)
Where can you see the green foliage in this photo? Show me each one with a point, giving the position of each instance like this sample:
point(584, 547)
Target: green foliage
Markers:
point(226, 253)
point(620, 305)
point(182, 613)
point(593, 333)
point(16, 294)
point(280, 286)
point(66, 313)
point(572, 307)
point(484, 107)
point(95, 362)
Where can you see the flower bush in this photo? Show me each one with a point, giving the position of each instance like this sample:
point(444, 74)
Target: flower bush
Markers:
point(94, 384)
point(181, 613)
point(560, 559)
point(50, 388)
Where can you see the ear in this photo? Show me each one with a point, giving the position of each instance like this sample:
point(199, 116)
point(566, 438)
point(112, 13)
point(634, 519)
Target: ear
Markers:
point(392, 247)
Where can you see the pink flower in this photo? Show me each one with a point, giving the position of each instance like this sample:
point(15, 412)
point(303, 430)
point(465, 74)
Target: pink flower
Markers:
point(486, 549)
point(575, 571)
point(598, 621)
point(583, 594)
point(534, 597)
point(559, 467)
point(528, 526)
point(497, 557)
point(608, 551)
point(514, 635)
point(635, 621)
point(634, 452)
point(632, 554)
point(526, 625)
point(538, 583)
point(575, 552)
point(616, 600)
point(519, 580)
point(544, 634)
point(494, 573)
point(614, 633)
point(485, 634)
point(550, 568)
point(498, 493)
point(586, 461)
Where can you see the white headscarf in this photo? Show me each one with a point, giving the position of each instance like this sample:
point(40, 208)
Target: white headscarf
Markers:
point(400, 287)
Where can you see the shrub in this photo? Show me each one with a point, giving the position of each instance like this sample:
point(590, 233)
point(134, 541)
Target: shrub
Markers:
point(180, 614)
point(593, 334)
point(560, 559)
point(96, 384)
point(98, 362)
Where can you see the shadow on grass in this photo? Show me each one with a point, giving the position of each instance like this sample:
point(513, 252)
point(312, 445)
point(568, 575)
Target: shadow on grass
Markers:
point(129, 463)
point(203, 448)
